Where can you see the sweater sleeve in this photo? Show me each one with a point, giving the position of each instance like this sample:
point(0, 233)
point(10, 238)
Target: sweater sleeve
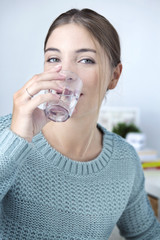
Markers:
point(138, 221)
point(13, 152)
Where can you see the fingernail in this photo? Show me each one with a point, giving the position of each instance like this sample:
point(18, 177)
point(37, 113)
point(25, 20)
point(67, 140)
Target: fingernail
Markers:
point(58, 66)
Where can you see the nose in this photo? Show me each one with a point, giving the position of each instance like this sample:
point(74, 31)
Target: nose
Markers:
point(68, 65)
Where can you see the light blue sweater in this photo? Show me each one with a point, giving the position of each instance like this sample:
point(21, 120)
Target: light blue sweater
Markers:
point(46, 196)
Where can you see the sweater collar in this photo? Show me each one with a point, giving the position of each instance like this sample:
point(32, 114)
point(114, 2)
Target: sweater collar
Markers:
point(76, 167)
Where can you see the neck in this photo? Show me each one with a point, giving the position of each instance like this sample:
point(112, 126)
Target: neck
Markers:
point(78, 139)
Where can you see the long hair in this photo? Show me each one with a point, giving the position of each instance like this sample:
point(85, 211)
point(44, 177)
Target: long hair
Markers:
point(98, 26)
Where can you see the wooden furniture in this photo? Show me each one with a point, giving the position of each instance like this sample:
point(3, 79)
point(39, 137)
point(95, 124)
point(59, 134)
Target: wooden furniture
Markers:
point(152, 186)
point(154, 203)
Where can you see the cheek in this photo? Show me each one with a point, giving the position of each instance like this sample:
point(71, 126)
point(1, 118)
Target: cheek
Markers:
point(101, 87)
point(90, 79)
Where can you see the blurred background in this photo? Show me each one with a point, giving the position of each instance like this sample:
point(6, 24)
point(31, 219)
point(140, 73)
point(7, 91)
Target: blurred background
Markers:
point(23, 27)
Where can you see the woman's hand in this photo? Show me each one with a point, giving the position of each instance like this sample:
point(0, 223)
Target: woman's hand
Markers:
point(28, 119)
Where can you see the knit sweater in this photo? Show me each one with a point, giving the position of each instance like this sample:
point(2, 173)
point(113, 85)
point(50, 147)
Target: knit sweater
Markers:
point(46, 196)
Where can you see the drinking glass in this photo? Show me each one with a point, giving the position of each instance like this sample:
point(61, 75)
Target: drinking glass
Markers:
point(59, 110)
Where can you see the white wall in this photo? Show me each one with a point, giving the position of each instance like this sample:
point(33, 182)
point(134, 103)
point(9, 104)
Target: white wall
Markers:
point(24, 24)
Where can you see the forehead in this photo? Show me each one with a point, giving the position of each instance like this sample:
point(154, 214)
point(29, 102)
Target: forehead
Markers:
point(71, 34)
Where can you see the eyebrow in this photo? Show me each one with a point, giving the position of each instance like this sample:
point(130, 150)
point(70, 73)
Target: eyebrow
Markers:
point(85, 50)
point(51, 49)
point(77, 51)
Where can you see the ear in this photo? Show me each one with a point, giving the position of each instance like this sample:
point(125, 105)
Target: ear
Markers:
point(115, 76)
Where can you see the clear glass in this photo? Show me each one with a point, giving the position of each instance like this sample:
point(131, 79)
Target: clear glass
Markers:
point(62, 108)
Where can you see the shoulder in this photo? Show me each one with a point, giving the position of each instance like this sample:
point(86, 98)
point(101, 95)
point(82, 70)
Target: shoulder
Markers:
point(5, 122)
point(122, 151)
point(120, 143)
point(125, 162)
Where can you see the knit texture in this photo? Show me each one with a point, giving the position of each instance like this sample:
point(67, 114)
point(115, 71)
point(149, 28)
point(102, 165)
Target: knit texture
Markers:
point(47, 196)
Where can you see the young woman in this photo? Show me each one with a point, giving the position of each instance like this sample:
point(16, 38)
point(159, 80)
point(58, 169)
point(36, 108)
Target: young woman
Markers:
point(74, 179)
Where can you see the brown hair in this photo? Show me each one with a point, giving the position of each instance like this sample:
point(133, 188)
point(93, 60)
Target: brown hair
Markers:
point(99, 27)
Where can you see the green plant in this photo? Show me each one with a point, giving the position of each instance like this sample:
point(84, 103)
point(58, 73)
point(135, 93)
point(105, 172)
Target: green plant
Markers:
point(123, 128)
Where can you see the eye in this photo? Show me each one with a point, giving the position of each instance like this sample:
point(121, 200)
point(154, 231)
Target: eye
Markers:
point(53, 60)
point(87, 61)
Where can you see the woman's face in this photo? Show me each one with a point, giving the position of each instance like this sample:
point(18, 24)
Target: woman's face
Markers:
point(71, 46)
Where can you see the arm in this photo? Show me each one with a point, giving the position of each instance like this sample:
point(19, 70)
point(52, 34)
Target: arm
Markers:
point(27, 120)
point(13, 152)
point(138, 221)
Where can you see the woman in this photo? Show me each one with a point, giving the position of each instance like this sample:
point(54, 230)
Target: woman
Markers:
point(71, 180)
